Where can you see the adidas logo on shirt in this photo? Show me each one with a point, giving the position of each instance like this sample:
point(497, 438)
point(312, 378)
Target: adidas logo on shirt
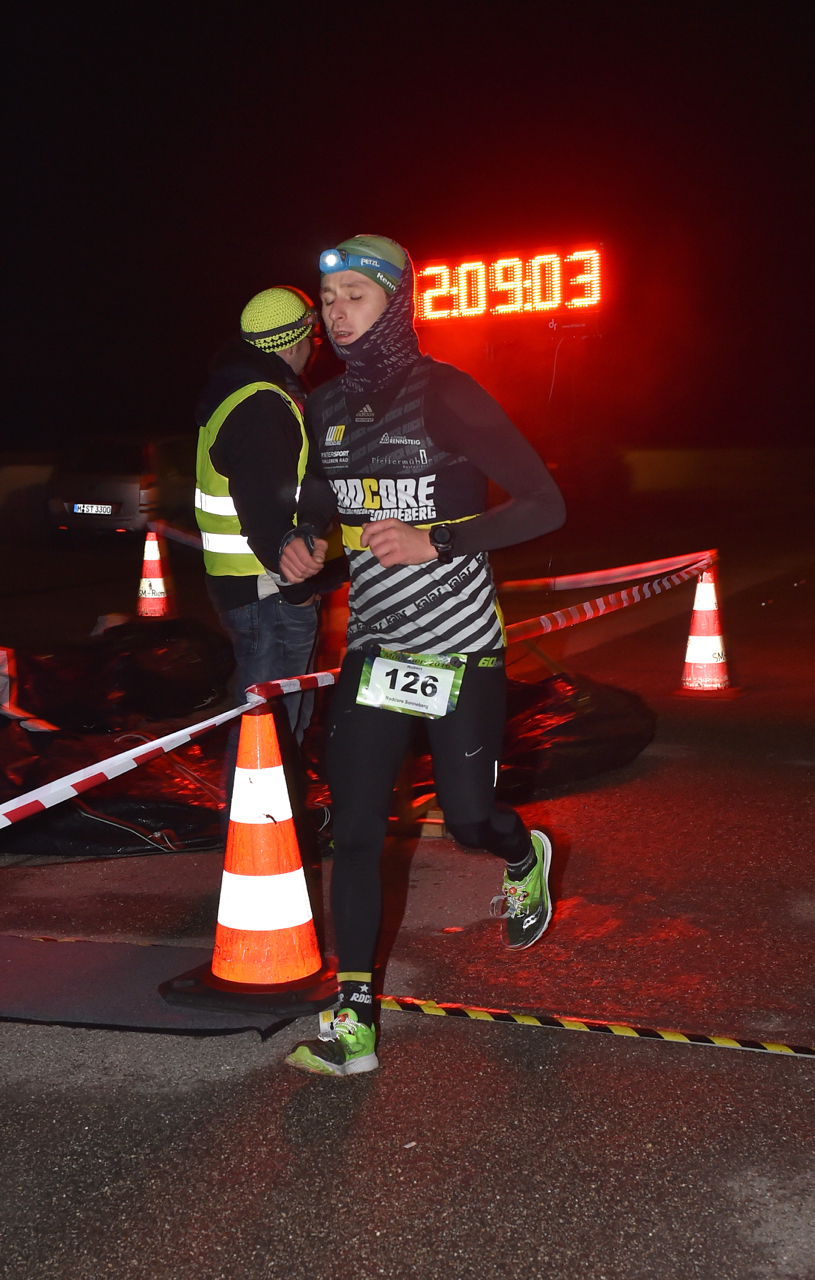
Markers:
point(366, 414)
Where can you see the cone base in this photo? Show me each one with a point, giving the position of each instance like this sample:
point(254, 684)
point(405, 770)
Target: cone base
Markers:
point(732, 691)
point(200, 988)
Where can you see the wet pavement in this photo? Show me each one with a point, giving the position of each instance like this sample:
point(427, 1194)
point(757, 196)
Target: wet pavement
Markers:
point(685, 899)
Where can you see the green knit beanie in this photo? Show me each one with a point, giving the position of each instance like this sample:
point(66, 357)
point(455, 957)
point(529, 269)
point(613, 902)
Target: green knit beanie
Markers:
point(377, 257)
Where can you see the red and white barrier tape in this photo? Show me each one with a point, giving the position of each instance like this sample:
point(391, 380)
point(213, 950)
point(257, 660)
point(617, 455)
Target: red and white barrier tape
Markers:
point(604, 604)
point(176, 535)
point(274, 688)
point(53, 793)
point(73, 784)
point(626, 573)
point(8, 693)
point(32, 723)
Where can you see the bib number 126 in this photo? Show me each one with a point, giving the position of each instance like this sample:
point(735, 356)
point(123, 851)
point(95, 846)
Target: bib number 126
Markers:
point(428, 688)
point(415, 684)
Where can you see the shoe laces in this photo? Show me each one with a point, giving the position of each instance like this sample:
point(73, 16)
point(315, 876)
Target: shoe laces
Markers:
point(347, 1029)
point(515, 898)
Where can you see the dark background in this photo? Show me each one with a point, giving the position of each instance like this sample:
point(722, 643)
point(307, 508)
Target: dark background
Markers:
point(168, 161)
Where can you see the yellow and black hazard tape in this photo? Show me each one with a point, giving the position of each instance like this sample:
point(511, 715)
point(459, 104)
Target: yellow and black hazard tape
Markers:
point(407, 1004)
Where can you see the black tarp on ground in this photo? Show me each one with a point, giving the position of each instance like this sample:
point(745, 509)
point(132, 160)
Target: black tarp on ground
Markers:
point(559, 730)
point(171, 804)
point(154, 667)
point(114, 827)
point(109, 984)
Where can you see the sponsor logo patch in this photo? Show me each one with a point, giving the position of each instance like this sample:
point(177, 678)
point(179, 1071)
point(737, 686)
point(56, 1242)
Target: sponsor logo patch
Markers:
point(389, 439)
point(335, 434)
point(378, 498)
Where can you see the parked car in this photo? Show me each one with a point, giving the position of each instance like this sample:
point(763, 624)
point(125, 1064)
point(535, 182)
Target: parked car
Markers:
point(116, 484)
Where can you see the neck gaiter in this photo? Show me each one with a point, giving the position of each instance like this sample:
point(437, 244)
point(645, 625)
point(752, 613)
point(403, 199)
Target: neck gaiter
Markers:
point(389, 346)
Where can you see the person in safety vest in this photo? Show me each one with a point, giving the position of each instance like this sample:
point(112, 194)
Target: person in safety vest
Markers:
point(402, 447)
point(252, 453)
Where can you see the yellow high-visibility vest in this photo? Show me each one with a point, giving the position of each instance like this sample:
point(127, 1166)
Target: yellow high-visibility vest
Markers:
point(226, 551)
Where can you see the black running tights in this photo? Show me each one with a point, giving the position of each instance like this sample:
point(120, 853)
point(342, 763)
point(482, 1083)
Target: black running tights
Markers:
point(364, 753)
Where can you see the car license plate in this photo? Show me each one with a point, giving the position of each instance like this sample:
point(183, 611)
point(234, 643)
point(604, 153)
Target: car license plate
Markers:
point(93, 509)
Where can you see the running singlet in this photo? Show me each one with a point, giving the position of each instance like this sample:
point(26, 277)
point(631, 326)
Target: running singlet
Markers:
point(387, 466)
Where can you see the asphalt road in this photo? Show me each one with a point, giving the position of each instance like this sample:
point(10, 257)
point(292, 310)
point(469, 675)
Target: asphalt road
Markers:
point(480, 1149)
point(477, 1151)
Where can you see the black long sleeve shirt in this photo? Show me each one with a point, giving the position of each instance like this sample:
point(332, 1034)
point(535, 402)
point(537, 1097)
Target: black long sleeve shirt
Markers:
point(463, 419)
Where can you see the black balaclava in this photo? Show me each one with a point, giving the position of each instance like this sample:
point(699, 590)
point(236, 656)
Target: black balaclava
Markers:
point(388, 348)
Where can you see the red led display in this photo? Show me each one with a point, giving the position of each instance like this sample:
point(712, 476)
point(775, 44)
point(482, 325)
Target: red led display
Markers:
point(509, 286)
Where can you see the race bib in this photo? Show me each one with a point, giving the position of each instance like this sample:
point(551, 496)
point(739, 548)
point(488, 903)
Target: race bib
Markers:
point(417, 684)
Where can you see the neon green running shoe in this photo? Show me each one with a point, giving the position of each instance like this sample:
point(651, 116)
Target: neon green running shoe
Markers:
point(525, 906)
point(350, 1053)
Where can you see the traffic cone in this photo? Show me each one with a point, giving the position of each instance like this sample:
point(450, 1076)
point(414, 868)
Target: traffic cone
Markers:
point(333, 628)
point(265, 931)
point(266, 959)
point(705, 672)
point(154, 601)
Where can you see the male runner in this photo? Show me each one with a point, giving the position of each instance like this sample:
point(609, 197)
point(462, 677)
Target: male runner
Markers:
point(404, 446)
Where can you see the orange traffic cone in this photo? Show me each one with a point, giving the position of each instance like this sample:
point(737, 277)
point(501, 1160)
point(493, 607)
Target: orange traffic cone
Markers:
point(705, 672)
point(265, 932)
point(154, 600)
point(266, 958)
point(333, 628)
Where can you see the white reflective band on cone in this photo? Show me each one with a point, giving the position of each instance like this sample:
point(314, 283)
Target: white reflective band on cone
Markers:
point(215, 506)
point(229, 544)
point(264, 902)
point(705, 596)
point(260, 796)
point(702, 650)
point(151, 551)
point(151, 587)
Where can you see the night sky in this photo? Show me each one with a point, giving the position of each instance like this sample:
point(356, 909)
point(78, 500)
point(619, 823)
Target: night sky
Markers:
point(169, 160)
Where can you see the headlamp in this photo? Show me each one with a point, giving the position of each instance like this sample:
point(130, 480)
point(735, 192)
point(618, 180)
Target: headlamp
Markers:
point(332, 260)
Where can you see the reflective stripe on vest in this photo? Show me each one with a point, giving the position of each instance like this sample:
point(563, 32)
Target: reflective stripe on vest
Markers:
point(226, 550)
point(215, 506)
point(226, 544)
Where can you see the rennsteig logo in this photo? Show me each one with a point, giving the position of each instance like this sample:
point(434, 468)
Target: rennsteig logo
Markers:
point(389, 439)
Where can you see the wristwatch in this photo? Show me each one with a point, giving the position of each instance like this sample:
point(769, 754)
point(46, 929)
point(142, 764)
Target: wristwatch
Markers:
point(442, 538)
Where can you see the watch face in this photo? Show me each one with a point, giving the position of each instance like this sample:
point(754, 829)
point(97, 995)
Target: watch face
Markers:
point(441, 536)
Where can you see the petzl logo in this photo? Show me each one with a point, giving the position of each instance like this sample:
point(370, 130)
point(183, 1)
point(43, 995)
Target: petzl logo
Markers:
point(335, 434)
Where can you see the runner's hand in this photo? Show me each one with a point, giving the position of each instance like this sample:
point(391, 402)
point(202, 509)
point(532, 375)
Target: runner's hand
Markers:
point(394, 542)
point(297, 563)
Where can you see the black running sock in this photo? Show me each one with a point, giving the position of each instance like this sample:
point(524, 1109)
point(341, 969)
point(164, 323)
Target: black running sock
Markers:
point(356, 994)
point(517, 870)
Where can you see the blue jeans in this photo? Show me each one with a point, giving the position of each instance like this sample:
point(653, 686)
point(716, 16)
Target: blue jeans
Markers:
point(271, 640)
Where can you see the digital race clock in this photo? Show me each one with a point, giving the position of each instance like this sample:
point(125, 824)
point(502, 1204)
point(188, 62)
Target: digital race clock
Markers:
point(539, 284)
